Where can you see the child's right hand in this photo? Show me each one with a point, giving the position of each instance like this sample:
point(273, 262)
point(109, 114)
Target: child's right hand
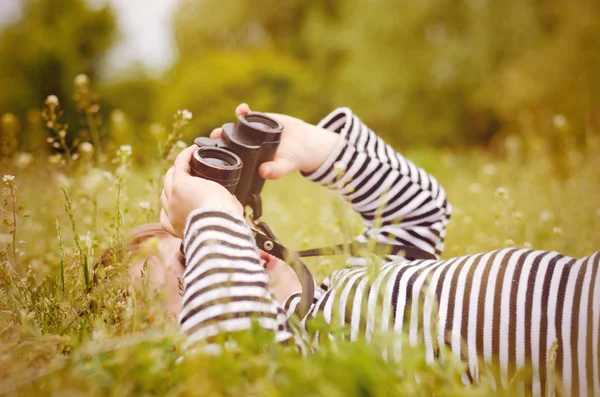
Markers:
point(304, 147)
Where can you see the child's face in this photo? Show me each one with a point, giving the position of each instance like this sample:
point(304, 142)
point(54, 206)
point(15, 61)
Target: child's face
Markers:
point(166, 270)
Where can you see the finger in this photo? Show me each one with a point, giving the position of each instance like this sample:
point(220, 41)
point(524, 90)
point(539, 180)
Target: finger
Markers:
point(241, 110)
point(164, 202)
point(276, 169)
point(216, 133)
point(182, 162)
point(166, 223)
point(167, 183)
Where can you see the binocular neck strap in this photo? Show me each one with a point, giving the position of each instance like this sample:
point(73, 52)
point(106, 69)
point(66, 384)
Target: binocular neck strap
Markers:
point(358, 249)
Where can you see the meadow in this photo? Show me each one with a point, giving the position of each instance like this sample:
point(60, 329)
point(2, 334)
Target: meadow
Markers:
point(68, 328)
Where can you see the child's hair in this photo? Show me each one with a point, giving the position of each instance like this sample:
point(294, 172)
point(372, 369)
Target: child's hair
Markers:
point(138, 236)
point(162, 261)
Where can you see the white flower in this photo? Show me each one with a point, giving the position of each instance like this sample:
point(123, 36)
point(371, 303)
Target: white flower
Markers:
point(8, 178)
point(489, 169)
point(545, 216)
point(502, 193)
point(180, 145)
point(55, 159)
point(559, 121)
point(63, 181)
point(52, 100)
point(557, 230)
point(5, 238)
point(145, 205)
point(125, 150)
point(23, 160)
point(339, 167)
point(185, 114)
point(475, 188)
point(86, 148)
point(82, 79)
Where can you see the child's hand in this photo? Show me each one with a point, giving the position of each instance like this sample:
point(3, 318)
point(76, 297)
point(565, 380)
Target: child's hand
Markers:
point(303, 146)
point(183, 193)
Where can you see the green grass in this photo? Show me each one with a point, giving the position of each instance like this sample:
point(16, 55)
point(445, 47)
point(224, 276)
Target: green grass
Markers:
point(61, 334)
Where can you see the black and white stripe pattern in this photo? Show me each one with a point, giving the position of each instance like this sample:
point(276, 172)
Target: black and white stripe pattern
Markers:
point(399, 202)
point(512, 308)
point(225, 285)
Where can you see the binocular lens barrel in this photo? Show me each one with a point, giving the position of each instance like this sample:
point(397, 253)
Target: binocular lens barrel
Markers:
point(218, 165)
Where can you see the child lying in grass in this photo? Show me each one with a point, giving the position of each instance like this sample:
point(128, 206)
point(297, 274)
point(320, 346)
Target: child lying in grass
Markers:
point(511, 308)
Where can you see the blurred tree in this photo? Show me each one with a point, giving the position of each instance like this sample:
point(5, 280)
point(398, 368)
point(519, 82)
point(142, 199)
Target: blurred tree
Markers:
point(428, 72)
point(42, 52)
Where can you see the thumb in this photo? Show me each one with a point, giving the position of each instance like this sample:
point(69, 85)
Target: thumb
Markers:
point(276, 169)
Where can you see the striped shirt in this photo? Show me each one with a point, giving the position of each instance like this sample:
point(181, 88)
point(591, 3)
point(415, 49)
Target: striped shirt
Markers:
point(512, 308)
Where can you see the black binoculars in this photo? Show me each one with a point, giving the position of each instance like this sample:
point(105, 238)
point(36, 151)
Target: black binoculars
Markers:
point(234, 158)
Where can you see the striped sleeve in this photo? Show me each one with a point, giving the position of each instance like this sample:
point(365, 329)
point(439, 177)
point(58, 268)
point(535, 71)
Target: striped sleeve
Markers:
point(225, 285)
point(399, 202)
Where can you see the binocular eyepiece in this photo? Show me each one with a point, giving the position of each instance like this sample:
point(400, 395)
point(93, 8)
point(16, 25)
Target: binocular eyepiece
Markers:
point(234, 158)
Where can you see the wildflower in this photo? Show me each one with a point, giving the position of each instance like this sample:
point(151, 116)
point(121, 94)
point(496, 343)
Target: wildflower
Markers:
point(184, 114)
point(23, 160)
point(157, 129)
point(509, 242)
point(502, 193)
point(82, 79)
point(86, 148)
point(125, 151)
point(518, 216)
point(489, 169)
point(5, 238)
point(180, 145)
point(52, 101)
point(559, 121)
point(145, 205)
point(55, 159)
point(546, 215)
point(557, 230)
point(108, 176)
point(8, 178)
point(475, 188)
point(63, 181)
point(339, 167)
point(527, 245)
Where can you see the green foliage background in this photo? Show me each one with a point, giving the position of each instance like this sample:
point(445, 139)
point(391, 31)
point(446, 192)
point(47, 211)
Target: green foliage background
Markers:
point(497, 99)
point(432, 72)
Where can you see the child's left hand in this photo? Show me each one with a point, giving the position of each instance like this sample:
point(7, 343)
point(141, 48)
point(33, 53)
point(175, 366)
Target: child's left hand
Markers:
point(183, 193)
